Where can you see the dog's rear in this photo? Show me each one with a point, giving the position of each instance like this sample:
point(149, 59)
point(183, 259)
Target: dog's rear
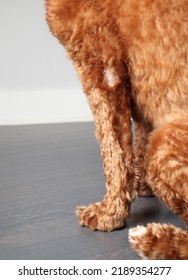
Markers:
point(132, 59)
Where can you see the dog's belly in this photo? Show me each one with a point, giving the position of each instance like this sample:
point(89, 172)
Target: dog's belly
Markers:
point(156, 112)
point(160, 88)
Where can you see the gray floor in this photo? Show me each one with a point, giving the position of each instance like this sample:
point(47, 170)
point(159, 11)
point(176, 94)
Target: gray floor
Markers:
point(45, 172)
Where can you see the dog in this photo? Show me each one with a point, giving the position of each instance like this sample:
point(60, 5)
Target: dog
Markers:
point(132, 59)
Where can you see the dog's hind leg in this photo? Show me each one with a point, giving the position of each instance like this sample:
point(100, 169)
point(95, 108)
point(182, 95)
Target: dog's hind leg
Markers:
point(108, 100)
point(167, 174)
point(167, 171)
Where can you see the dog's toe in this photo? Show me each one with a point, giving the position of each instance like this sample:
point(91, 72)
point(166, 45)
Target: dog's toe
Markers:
point(136, 233)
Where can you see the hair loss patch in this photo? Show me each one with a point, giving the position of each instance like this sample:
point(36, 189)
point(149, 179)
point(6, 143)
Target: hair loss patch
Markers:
point(111, 78)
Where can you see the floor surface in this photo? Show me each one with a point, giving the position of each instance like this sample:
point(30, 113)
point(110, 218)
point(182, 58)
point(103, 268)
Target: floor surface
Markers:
point(46, 171)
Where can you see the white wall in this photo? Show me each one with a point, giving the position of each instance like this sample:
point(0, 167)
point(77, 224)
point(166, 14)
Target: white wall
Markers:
point(37, 82)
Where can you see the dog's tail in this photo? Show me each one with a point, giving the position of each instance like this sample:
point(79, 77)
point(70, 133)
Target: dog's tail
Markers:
point(159, 242)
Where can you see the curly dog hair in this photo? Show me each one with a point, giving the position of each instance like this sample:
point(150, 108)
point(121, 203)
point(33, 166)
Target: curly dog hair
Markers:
point(132, 59)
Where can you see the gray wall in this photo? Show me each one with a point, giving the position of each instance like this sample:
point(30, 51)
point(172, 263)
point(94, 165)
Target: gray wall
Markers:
point(37, 82)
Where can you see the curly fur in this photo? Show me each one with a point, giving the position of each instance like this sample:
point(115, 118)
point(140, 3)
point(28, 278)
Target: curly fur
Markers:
point(132, 59)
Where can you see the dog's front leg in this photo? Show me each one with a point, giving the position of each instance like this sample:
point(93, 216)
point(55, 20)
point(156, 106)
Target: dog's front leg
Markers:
point(140, 144)
point(111, 112)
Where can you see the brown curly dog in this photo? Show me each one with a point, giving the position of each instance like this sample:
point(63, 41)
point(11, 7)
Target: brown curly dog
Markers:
point(132, 59)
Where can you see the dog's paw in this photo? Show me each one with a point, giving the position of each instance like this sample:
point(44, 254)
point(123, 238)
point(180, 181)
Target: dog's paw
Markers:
point(159, 242)
point(101, 216)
